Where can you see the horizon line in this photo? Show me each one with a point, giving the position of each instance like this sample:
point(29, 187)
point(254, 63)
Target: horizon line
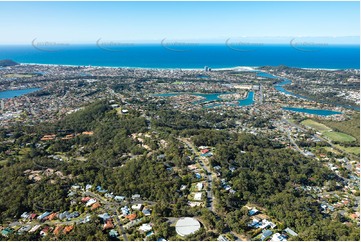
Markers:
point(348, 40)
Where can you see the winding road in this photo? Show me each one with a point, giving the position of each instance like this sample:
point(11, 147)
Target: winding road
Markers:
point(210, 195)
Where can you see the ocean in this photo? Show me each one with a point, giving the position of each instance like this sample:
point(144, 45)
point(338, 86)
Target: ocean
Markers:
point(187, 56)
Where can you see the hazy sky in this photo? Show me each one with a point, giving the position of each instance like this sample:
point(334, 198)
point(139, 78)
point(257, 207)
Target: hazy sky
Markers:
point(21, 22)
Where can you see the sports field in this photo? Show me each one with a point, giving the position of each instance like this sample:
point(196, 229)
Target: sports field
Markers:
point(339, 137)
point(15, 75)
point(328, 132)
point(315, 125)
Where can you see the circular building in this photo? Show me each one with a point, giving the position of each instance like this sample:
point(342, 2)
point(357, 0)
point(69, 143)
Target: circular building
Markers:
point(187, 226)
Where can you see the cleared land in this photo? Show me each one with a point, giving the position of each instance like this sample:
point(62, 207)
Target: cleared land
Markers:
point(353, 150)
point(15, 75)
point(315, 125)
point(330, 149)
point(328, 132)
point(338, 136)
point(350, 127)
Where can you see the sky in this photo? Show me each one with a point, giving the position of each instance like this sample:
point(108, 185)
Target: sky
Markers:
point(86, 22)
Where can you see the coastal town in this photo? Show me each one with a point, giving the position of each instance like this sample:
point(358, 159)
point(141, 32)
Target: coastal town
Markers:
point(273, 103)
point(63, 89)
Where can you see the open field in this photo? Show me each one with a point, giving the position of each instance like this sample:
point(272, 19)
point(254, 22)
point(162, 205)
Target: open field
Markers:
point(315, 125)
point(15, 75)
point(330, 149)
point(338, 137)
point(350, 127)
point(353, 150)
point(328, 132)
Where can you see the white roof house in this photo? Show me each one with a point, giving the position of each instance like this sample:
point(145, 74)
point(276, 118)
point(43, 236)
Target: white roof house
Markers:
point(125, 210)
point(90, 202)
point(145, 227)
point(119, 198)
point(36, 227)
point(137, 206)
point(278, 237)
point(198, 196)
point(187, 226)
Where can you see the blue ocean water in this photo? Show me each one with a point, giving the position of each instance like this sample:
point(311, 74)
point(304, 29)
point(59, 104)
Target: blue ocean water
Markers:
point(17, 93)
point(321, 112)
point(188, 56)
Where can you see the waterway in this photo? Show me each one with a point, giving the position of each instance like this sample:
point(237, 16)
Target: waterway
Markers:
point(265, 74)
point(210, 97)
point(248, 101)
point(279, 87)
point(17, 93)
point(321, 112)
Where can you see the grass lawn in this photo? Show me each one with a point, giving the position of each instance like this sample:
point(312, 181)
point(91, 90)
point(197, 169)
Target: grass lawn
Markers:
point(194, 187)
point(330, 149)
point(350, 127)
point(119, 111)
point(315, 125)
point(327, 131)
point(353, 150)
point(337, 136)
point(291, 120)
point(13, 75)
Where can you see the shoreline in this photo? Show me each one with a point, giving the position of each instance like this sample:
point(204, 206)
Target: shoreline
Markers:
point(235, 68)
point(240, 68)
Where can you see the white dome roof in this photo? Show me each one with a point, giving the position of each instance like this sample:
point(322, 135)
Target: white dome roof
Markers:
point(187, 226)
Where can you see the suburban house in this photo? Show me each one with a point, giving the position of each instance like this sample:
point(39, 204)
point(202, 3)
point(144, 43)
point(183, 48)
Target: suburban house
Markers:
point(137, 207)
point(252, 212)
point(266, 234)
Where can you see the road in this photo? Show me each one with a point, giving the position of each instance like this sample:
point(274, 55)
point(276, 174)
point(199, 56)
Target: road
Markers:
point(294, 143)
point(347, 180)
point(260, 94)
point(210, 195)
point(31, 106)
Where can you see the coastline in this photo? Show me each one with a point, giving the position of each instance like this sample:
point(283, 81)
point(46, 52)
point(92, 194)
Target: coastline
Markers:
point(239, 68)
point(235, 68)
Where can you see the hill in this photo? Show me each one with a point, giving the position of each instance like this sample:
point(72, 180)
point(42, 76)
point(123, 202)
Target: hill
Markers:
point(5, 63)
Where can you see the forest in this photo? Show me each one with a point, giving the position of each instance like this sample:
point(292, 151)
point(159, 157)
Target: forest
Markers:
point(265, 173)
